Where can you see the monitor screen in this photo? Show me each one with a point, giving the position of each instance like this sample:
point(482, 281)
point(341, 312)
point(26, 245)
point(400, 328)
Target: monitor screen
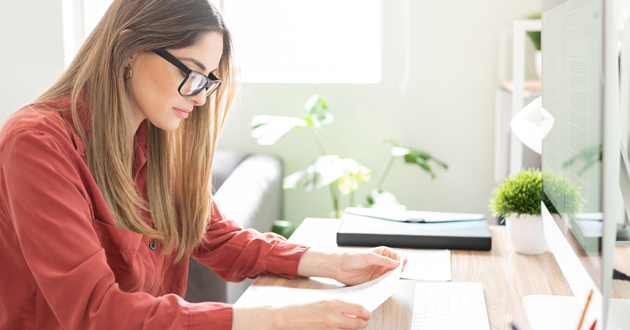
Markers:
point(572, 88)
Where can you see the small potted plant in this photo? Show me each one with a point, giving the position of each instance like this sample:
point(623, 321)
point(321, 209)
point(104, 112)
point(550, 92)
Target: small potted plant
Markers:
point(518, 199)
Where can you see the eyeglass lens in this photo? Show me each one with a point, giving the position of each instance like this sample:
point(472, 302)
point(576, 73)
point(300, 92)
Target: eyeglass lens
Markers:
point(195, 83)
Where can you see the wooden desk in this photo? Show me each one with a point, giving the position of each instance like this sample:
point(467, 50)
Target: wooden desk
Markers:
point(506, 276)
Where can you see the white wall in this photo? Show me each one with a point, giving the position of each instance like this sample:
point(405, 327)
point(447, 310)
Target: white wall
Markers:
point(448, 110)
point(31, 50)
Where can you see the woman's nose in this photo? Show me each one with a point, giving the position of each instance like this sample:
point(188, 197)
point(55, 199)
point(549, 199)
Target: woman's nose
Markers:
point(199, 99)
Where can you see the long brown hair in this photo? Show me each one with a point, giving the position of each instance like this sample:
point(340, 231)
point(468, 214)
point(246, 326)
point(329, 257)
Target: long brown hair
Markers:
point(179, 162)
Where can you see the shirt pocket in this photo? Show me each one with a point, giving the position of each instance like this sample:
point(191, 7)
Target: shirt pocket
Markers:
point(122, 249)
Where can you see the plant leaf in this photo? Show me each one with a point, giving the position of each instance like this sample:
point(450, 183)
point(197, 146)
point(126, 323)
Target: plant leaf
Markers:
point(399, 151)
point(296, 180)
point(415, 156)
point(427, 168)
point(381, 197)
point(326, 170)
point(391, 141)
point(318, 111)
point(270, 129)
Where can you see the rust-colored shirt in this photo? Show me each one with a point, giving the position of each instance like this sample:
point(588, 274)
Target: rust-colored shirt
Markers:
point(65, 265)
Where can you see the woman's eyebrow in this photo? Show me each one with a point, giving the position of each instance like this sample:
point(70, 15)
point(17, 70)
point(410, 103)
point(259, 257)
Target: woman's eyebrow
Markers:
point(203, 67)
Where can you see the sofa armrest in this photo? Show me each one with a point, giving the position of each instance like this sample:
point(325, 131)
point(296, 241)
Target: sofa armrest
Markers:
point(251, 195)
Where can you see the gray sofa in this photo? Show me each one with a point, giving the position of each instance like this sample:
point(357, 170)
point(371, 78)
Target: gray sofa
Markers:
point(248, 189)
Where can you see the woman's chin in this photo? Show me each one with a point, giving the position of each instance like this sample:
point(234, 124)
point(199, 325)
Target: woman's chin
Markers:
point(169, 126)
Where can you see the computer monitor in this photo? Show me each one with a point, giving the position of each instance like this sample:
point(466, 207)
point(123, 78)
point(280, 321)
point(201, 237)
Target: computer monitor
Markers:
point(581, 91)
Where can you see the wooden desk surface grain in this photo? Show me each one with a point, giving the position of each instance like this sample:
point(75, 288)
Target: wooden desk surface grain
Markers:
point(506, 277)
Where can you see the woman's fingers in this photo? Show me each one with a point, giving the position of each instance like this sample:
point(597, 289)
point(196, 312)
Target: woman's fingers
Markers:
point(354, 310)
point(337, 314)
point(393, 254)
point(381, 260)
point(383, 250)
point(353, 316)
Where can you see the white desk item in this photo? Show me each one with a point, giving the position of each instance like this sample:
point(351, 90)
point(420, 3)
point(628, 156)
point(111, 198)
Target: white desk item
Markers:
point(427, 265)
point(563, 313)
point(546, 312)
point(459, 305)
point(369, 294)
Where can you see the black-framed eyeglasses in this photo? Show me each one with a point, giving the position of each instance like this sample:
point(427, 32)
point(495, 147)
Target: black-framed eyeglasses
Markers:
point(194, 82)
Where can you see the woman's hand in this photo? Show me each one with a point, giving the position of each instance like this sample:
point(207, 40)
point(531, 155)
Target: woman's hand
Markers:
point(362, 266)
point(350, 268)
point(327, 314)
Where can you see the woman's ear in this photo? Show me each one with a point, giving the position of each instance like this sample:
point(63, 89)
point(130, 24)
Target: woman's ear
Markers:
point(123, 34)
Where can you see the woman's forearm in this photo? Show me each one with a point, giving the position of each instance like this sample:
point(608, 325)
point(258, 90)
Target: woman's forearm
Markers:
point(318, 263)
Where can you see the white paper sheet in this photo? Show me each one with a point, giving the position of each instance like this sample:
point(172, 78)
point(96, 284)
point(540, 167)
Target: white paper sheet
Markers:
point(427, 265)
point(370, 294)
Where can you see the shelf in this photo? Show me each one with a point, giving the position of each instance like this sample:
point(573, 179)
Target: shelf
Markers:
point(530, 85)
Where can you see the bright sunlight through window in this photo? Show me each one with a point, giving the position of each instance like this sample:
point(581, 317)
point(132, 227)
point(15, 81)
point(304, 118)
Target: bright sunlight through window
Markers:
point(296, 41)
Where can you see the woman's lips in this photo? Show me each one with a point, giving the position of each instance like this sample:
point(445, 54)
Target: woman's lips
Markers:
point(182, 113)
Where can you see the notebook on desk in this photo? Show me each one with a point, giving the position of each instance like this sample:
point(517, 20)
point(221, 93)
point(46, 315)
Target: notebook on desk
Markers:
point(361, 230)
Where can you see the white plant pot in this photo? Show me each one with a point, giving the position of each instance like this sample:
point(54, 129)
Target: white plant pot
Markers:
point(538, 63)
point(526, 234)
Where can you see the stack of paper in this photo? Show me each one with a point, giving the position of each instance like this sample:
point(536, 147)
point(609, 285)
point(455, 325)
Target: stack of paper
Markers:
point(369, 294)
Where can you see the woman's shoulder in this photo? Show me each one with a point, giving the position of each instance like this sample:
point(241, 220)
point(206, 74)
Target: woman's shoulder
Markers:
point(32, 120)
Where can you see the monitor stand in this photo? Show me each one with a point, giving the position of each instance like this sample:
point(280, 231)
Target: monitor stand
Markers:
point(552, 313)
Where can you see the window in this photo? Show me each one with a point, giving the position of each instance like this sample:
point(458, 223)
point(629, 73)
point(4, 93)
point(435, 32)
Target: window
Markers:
point(307, 41)
point(296, 41)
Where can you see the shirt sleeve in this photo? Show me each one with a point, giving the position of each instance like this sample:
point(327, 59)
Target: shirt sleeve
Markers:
point(235, 253)
point(50, 214)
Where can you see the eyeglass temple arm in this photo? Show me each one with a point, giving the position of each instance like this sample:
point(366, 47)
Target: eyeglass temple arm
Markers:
point(169, 57)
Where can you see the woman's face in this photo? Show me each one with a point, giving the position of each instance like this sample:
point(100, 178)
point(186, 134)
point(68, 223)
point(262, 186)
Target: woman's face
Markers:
point(154, 82)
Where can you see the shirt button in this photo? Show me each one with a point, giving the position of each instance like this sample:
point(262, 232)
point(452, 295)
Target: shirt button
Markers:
point(152, 245)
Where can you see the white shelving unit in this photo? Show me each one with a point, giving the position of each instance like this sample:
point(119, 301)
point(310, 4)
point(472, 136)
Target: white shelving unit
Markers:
point(515, 93)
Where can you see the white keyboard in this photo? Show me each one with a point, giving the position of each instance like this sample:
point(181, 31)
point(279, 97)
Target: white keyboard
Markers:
point(444, 306)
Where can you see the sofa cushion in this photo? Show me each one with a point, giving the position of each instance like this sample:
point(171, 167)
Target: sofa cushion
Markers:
point(225, 161)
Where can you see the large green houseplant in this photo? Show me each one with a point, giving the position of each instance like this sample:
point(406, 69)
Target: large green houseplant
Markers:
point(341, 175)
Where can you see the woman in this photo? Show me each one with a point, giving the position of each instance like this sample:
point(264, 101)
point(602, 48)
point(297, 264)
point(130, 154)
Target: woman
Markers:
point(105, 188)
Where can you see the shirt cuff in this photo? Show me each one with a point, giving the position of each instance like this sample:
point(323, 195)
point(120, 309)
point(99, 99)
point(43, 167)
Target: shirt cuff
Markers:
point(284, 258)
point(210, 315)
